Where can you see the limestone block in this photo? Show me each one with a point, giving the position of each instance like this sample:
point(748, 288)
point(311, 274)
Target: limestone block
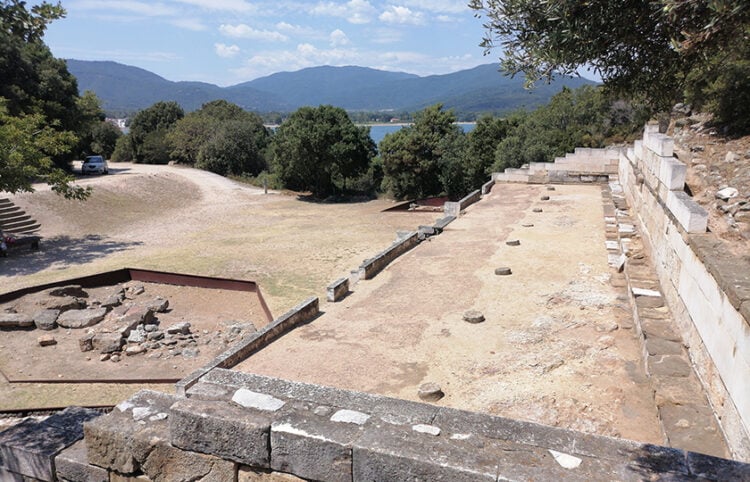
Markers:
point(691, 216)
point(46, 319)
point(252, 474)
point(165, 462)
point(72, 465)
point(638, 149)
point(313, 447)
point(15, 320)
point(338, 289)
point(30, 447)
point(661, 144)
point(672, 173)
point(8, 476)
point(223, 430)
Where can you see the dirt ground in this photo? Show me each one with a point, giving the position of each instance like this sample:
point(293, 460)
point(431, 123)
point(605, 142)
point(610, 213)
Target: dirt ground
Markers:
point(557, 346)
point(190, 221)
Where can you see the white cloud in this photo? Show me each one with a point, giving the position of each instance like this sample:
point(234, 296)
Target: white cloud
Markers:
point(226, 51)
point(439, 6)
point(401, 15)
point(245, 31)
point(228, 5)
point(354, 11)
point(156, 9)
point(193, 24)
point(338, 38)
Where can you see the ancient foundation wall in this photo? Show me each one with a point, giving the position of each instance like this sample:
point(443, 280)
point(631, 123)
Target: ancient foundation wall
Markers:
point(707, 291)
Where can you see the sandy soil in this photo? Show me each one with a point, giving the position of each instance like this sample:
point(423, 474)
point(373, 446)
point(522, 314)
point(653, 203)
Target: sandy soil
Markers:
point(557, 346)
point(191, 221)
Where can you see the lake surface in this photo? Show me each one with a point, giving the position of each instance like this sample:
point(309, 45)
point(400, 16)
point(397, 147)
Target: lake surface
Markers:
point(378, 131)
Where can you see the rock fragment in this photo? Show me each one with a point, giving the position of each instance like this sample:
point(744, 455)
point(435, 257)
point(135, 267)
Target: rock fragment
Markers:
point(430, 392)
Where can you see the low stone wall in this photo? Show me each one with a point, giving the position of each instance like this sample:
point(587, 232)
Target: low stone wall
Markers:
point(707, 291)
point(454, 208)
point(233, 423)
point(374, 265)
point(302, 313)
point(585, 165)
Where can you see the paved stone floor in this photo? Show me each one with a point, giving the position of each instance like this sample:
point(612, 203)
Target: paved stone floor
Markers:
point(558, 345)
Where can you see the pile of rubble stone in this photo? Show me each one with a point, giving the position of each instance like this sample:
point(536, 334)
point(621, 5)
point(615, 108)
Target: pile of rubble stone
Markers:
point(123, 322)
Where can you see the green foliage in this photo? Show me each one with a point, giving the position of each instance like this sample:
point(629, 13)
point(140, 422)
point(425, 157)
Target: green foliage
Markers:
point(586, 117)
point(195, 130)
point(424, 159)
point(104, 137)
point(27, 145)
point(237, 148)
point(148, 132)
point(318, 149)
point(123, 149)
point(483, 141)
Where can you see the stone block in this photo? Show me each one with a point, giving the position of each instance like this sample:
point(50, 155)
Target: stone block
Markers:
point(669, 366)
point(660, 144)
point(15, 320)
point(223, 430)
point(313, 447)
point(672, 173)
point(107, 342)
point(165, 462)
point(30, 447)
point(8, 476)
point(72, 465)
point(338, 289)
point(81, 318)
point(121, 440)
point(398, 453)
point(252, 474)
point(691, 216)
point(46, 319)
point(452, 209)
point(713, 468)
point(694, 428)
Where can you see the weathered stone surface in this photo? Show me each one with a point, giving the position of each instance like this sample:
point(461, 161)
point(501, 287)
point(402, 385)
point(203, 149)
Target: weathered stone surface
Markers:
point(313, 447)
point(223, 430)
point(134, 316)
point(117, 441)
point(71, 290)
point(46, 319)
point(112, 301)
point(135, 350)
point(158, 305)
point(179, 328)
point(166, 463)
point(669, 366)
point(259, 401)
point(537, 210)
point(24, 451)
point(677, 390)
point(137, 335)
point(660, 346)
point(694, 428)
point(252, 474)
point(713, 468)
point(503, 271)
point(72, 465)
point(107, 342)
point(81, 318)
point(473, 316)
point(85, 343)
point(513, 242)
point(63, 303)
point(430, 392)
point(15, 320)
point(544, 198)
point(46, 340)
point(660, 328)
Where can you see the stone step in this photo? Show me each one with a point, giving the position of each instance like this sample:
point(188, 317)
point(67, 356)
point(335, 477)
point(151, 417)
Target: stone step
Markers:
point(14, 218)
point(28, 229)
point(9, 209)
point(21, 225)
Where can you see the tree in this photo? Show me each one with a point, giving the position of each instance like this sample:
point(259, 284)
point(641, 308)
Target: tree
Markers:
point(39, 114)
point(237, 148)
point(318, 148)
point(483, 141)
point(104, 137)
point(27, 145)
point(123, 149)
point(630, 44)
point(422, 160)
point(148, 132)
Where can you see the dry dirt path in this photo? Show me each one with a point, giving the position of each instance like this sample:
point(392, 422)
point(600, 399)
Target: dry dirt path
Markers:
point(557, 346)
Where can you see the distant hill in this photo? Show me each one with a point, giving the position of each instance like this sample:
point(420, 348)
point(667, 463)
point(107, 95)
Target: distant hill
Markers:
point(481, 89)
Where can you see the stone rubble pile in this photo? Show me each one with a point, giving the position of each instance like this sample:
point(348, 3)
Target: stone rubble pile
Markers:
point(123, 322)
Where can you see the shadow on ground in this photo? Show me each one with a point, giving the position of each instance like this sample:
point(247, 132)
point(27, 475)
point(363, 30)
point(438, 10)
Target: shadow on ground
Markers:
point(63, 250)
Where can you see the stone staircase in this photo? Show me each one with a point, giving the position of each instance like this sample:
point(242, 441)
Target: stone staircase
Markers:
point(13, 220)
point(584, 165)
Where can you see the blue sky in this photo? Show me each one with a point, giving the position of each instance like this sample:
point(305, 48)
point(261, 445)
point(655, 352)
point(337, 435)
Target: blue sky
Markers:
point(226, 42)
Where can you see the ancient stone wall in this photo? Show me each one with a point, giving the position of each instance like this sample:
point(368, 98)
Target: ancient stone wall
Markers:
point(707, 291)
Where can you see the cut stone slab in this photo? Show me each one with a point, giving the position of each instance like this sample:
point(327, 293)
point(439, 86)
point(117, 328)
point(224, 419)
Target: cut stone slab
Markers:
point(661, 346)
point(660, 328)
point(15, 320)
point(669, 366)
point(430, 392)
point(260, 401)
point(62, 303)
point(81, 318)
point(503, 271)
point(46, 319)
point(513, 242)
point(544, 198)
point(350, 416)
point(537, 210)
point(107, 342)
point(46, 340)
point(473, 316)
point(527, 225)
point(72, 465)
point(694, 428)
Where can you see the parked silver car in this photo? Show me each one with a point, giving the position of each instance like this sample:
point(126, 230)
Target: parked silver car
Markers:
point(94, 165)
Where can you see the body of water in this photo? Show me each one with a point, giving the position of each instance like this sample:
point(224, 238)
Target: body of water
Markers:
point(378, 131)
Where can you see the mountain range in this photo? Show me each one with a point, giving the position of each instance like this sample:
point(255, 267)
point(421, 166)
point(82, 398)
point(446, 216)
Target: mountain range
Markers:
point(124, 88)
